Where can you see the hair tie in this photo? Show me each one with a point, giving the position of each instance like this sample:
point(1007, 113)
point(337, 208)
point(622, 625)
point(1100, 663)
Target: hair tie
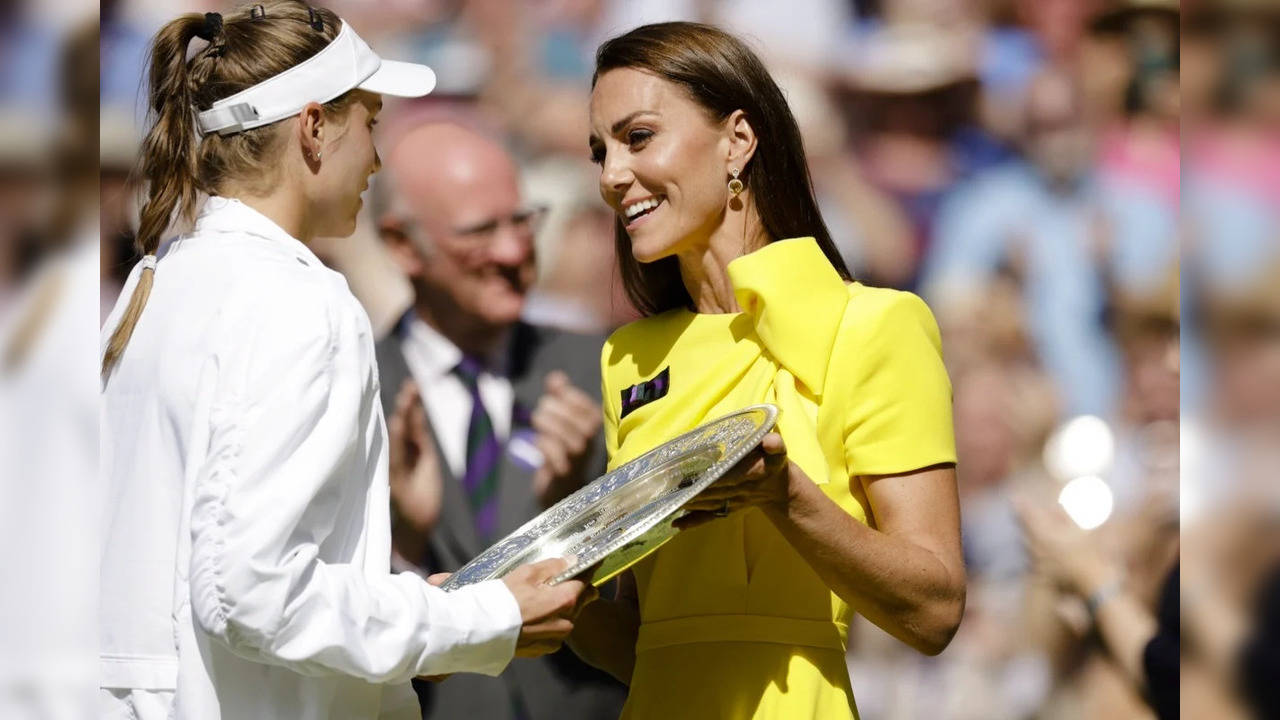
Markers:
point(211, 28)
point(316, 22)
point(257, 12)
point(149, 261)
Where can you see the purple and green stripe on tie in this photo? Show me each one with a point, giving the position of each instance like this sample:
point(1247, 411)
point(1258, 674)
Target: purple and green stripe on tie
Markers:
point(484, 453)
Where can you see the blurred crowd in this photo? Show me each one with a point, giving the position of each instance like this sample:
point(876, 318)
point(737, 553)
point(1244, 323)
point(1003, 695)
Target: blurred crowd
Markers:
point(1086, 192)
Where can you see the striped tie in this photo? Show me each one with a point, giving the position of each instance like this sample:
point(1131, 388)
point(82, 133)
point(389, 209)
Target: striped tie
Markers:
point(480, 481)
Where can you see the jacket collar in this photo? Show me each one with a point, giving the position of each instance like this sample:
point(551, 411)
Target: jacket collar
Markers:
point(440, 355)
point(796, 301)
point(229, 215)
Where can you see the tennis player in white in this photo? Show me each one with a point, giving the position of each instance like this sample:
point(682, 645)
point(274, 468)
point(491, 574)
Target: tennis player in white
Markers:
point(245, 454)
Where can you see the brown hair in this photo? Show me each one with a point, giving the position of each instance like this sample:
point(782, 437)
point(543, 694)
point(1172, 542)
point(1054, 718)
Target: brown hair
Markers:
point(244, 48)
point(721, 74)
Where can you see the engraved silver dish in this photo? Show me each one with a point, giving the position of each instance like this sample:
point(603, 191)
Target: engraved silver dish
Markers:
point(622, 516)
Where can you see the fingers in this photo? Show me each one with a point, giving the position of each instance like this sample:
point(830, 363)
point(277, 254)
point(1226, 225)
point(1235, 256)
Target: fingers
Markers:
point(572, 421)
point(566, 420)
point(438, 578)
point(763, 461)
point(752, 481)
point(555, 456)
point(397, 429)
point(406, 397)
point(562, 426)
point(558, 385)
point(542, 638)
point(693, 519)
point(572, 595)
point(543, 570)
point(408, 431)
point(417, 425)
point(547, 610)
point(1035, 518)
point(548, 631)
point(716, 502)
point(555, 382)
point(772, 444)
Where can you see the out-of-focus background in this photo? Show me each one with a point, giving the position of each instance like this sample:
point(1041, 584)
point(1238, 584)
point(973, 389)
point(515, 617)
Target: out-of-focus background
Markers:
point(1086, 192)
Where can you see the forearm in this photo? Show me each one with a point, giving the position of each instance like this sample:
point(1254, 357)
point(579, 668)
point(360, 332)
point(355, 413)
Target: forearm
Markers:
point(1126, 627)
point(1123, 624)
point(1215, 626)
point(904, 588)
point(339, 621)
point(604, 636)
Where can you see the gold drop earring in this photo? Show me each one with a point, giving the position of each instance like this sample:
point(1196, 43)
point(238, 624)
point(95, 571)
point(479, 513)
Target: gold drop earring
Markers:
point(735, 185)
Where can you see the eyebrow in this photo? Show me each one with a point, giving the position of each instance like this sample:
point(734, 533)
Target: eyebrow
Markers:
point(623, 122)
point(617, 126)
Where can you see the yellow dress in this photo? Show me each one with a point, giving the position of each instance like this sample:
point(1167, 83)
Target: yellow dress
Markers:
point(734, 623)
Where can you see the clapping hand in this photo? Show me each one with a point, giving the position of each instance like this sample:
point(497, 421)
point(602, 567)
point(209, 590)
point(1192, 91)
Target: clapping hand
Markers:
point(415, 475)
point(566, 420)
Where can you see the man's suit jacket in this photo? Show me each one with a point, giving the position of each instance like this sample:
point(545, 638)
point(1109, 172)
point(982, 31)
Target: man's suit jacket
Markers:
point(558, 685)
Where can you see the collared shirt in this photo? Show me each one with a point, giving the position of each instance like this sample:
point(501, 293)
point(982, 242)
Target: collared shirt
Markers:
point(431, 358)
point(246, 528)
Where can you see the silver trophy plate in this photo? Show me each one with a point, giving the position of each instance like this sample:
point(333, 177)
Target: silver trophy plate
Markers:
point(624, 515)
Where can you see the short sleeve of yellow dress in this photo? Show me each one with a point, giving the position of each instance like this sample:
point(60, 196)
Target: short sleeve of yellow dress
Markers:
point(734, 623)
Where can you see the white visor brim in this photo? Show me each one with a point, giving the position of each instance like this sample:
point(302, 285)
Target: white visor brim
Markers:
point(400, 79)
point(345, 64)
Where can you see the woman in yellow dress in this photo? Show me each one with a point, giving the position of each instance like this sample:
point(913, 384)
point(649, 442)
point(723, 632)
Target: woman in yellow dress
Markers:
point(850, 505)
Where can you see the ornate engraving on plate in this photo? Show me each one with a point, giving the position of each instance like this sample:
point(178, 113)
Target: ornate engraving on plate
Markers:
point(624, 515)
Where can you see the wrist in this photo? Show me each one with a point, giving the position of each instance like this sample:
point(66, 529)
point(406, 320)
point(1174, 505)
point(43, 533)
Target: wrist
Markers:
point(1102, 594)
point(797, 498)
point(1095, 577)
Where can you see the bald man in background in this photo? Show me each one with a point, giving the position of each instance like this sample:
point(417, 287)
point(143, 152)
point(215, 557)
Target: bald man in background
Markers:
point(512, 412)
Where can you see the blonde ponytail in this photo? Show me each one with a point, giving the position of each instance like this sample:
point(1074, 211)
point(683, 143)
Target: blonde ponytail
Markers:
point(167, 161)
point(248, 46)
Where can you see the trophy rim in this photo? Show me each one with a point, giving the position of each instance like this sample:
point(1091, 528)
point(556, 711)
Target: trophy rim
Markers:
point(664, 507)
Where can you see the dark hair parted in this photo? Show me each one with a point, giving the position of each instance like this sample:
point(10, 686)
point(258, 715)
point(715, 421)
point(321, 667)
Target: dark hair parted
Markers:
point(244, 48)
point(721, 74)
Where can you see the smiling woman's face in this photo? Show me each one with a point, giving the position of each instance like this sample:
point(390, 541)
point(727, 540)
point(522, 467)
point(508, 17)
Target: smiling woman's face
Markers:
point(663, 162)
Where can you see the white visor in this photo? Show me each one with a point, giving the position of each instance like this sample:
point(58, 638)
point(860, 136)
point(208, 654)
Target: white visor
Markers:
point(345, 64)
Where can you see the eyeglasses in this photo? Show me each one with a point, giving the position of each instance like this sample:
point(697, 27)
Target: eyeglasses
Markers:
point(527, 220)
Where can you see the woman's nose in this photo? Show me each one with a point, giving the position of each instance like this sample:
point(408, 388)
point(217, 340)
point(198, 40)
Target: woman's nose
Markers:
point(615, 176)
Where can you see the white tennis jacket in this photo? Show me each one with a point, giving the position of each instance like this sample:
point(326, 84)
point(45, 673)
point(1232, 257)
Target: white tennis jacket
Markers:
point(245, 559)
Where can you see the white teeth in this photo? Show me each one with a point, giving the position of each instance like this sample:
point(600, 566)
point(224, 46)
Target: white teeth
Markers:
point(637, 208)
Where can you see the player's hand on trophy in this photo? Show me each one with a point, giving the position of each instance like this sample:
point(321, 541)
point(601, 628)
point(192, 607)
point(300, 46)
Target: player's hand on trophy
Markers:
point(567, 421)
point(415, 475)
point(546, 610)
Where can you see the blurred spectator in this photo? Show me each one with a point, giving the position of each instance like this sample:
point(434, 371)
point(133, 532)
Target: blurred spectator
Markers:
point(1230, 500)
point(513, 409)
point(1145, 470)
point(1141, 148)
point(870, 230)
point(1122, 531)
point(1049, 223)
point(910, 89)
point(1039, 219)
point(49, 497)
point(1231, 187)
point(1243, 329)
point(1142, 641)
point(576, 293)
